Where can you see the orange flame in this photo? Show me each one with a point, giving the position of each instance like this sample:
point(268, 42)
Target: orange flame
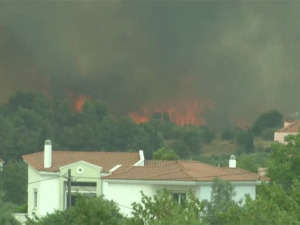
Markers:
point(178, 112)
point(138, 118)
point(79, 102)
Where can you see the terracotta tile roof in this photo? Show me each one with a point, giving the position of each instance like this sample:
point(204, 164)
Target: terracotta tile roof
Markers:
point(183, 171)
point(291, 128)
point(157, 162)
point(106, 160)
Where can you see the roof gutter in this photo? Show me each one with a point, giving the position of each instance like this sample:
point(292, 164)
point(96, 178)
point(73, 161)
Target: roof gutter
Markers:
point(177, 182)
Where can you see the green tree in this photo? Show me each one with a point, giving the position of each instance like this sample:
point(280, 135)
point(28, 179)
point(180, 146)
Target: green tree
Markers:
point(14, 182)
point(272, 119)
point(7, 138)
point(207, 135)
point(152, 139)
point(92, 112)
point(31, 101)
point(273, 205)
point(63, 114)
point(222, 199)
point(165, 154)
point(6, 210)
point(284, 162)
point(252, 162)
point(228, 135)
point(245, 139)
point(189, 141)
point(91, 211)
point(162, 209)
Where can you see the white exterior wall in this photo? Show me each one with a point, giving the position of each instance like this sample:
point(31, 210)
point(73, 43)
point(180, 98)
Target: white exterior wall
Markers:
point(243, 189)
point(124, 193)
point(49, 194)
point(33, 183)
point(89, 173)
point(50, 186)
point(47, 187)
point(278, 136)
point(205, 192)
point(127, 192)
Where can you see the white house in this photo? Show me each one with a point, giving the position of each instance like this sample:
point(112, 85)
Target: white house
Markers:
point(179, 177)
point(290, 127)
point(121, 176)
point(48, 175)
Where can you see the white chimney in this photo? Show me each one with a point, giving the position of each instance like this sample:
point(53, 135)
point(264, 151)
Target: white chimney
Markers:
point(141, 162)
point(232, 162)
point(288, 123)
point(48, 154)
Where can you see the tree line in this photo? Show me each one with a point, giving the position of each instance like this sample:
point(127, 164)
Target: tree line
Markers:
point(29, 118)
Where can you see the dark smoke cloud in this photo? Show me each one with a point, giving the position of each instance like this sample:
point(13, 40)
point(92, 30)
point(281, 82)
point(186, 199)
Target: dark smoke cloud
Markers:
point(241, 55)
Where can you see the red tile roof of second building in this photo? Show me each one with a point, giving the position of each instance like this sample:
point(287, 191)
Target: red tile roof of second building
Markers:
point(182, 171)
point(106, 160)
point(292, 128)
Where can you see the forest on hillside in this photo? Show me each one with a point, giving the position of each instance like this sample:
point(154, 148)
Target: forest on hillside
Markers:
point(29, 118)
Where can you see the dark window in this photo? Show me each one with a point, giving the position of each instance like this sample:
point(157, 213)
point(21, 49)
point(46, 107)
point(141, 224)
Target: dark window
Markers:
point(179, 197)
point(74, 197)
point(35, 198)
point(83, 184)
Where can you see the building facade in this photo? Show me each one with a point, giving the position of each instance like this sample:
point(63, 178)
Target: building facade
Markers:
point(121, 176)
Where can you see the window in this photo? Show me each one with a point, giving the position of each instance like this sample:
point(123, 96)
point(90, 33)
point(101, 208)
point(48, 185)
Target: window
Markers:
point(35, 196)
point(179, 197)
point(74, 196)
point(80, 188)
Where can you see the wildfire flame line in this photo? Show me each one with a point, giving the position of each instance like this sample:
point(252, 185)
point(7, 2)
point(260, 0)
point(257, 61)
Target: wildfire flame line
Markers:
point(180, 113)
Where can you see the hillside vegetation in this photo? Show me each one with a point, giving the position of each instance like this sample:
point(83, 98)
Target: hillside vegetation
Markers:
point(28, 119)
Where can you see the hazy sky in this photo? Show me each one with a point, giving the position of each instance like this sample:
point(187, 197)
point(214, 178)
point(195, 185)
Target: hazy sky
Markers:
point(237, 59)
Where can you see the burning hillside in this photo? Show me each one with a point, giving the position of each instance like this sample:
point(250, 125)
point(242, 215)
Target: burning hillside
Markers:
point(181, 113)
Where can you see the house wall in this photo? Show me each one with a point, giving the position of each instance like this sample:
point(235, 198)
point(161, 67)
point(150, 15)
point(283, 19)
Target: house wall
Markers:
point(51, 187)
point(33, 184)
point(205, 191)
point(241, 189)
point(127, 192)
point(49, 194)
point(47, 188)
point(80, 172)
point(125, 195)
point(278, 136)
point(244, 188)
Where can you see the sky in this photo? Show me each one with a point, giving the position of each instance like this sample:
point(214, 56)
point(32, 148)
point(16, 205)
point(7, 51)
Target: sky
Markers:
point(229, 61)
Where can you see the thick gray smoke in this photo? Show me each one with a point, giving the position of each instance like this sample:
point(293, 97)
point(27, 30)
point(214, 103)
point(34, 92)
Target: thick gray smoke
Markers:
point(242, 56)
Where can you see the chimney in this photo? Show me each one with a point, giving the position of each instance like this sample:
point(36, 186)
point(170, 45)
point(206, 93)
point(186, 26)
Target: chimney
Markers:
point(262, 171)
point(48, 154)
point(232, 162)
point(288, 123)
point(141, 162)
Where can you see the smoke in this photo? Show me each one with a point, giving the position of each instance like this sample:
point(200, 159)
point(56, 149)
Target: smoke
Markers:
point(242, 57)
